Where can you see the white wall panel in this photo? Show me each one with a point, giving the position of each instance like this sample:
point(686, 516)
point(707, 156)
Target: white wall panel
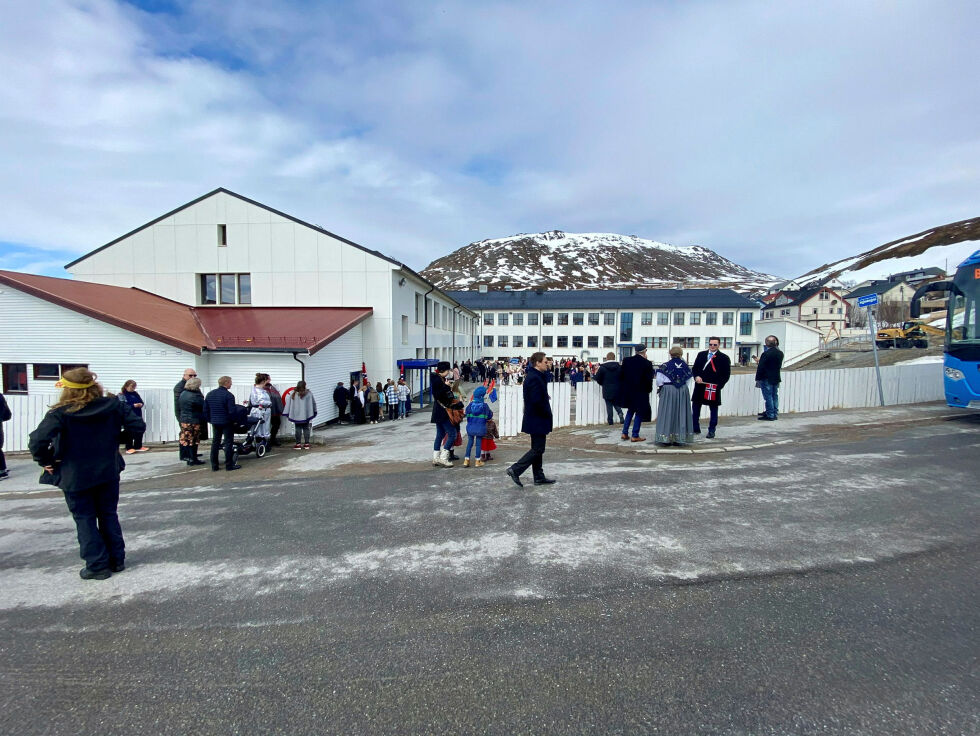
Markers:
point(332, 364)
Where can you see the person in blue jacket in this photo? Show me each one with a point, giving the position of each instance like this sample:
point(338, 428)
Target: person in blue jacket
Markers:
point(219, 411)
point(477, 414)
point(128, 395)
point(537, 422)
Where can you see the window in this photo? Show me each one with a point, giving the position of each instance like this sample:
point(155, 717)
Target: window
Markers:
point(563, 318)
point(728, 318)
point(532, 341)
point(14, 378)
point(745, 323)
point(501, 341)
point(695, 318)
point(503, 319)
point(418, 308)
point(563, 341)
point(593, 341)
point(609, 319)
point(518, 341)
point(688, 342)
point(593, 318)
point(577, 341)
point(824, 296)
point(547, 341)
point(222, 235)
point(679, 318)
point(815, 310)
point(840, 310)
point(226, 288)
point(578, 318)
point(663, 318)
point(608, 341)
point(626, 327)
point(488, 318)
point(404, 329)
point(532, 318)
point(646, 318)
point(547, 318)
point(726, 343)
point(46, 372)
point(488, 341)
point(711, 318)
point(783, 312)
point(518, 320)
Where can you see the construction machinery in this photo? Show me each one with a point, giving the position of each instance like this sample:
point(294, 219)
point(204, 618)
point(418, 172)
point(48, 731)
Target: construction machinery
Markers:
point(914, 333)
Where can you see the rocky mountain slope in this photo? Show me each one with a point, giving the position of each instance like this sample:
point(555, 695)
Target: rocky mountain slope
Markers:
point(558, 260)
point(945, 246)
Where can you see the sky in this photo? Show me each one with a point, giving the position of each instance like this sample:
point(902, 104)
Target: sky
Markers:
point(781, 135)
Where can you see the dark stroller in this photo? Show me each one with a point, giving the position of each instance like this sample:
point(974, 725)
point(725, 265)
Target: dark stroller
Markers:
point(244, 424)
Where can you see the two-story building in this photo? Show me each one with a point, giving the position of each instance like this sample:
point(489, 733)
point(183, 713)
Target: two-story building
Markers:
point(820, 307)
point(586, 324)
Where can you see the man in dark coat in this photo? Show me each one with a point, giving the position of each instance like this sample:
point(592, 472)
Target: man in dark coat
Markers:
point(635, 385)
point(219, 410)
point(537, 422)
point(340, 398)
point(179, 388)
point(767, 378)
point(712, 369)
point(608, 377)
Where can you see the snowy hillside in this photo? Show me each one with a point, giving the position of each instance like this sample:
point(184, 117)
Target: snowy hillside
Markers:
point(558, 260)
point(945, 246)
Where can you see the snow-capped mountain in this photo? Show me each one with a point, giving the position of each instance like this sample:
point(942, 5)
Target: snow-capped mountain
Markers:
point(945, 246)
point(558, 260)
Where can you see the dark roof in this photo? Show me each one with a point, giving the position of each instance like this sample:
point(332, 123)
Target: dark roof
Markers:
point(222, 190)
point(604, 299)
point(875, 287)
point(194, 328)
point(803, 295)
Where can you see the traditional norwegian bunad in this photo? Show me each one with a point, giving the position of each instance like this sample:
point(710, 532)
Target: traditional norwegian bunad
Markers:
point(675, 425)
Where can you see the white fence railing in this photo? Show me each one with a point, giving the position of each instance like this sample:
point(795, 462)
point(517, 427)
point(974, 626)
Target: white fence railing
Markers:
point(158, 413)
point(800, 391)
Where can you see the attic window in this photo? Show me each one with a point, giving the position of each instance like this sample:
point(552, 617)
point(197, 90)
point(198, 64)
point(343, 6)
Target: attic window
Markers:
point(222, 235)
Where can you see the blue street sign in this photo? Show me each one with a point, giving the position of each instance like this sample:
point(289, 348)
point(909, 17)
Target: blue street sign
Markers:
point(868, 301)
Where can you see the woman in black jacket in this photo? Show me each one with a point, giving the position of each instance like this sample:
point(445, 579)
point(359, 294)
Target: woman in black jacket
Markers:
point(190, 407)
point(77, 443)
point(442, 397)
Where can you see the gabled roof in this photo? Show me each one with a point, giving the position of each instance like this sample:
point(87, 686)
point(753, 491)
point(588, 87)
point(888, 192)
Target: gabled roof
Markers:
point(604, 299)
point(222, 190)
point(805, 295)
point(875, 287)
point(194, 328)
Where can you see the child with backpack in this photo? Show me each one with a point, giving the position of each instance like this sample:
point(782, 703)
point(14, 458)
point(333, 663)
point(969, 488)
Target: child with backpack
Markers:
point(477, 414)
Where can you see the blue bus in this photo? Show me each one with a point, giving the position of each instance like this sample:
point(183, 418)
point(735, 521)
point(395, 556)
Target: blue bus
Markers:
point(961, 364)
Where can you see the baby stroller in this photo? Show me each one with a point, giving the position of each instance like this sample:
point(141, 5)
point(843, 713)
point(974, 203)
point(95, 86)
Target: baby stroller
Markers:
point(248, 426)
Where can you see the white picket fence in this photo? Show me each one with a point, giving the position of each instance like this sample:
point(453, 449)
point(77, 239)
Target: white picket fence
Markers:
point(158, 413)
point(800, 391)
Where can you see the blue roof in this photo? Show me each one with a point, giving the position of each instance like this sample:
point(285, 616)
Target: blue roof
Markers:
point(971, 261)
point(604, 299)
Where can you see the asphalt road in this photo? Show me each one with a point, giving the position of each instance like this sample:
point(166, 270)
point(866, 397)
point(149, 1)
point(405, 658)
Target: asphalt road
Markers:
point(824, 589)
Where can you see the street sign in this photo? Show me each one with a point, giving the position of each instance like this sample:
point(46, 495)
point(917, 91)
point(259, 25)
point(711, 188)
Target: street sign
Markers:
point(868, 300)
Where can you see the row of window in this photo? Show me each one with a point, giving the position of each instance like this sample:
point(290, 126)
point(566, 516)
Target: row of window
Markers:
point(226, 288)
point(15, 374)
point(592, 341)
point(438, 315)
point(608, 318)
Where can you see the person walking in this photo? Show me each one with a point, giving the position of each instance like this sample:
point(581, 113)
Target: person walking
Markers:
point(340, 399)
point(712, 369)
point(442, 399)
point(191, 404)
point(537, 422)
point(77, 444)
point(768, 378)
point(675, 421)
point(635, 386)
point(477, 415)
point(128, 395)
point(219, 410)
point(301, 410)
point(608, 377)
point(5, 416)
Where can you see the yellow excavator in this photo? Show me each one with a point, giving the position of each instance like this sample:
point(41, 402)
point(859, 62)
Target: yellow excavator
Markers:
point(913, 333)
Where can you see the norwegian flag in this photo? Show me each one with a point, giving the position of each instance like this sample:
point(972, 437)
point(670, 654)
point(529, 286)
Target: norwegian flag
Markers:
point(710, 391)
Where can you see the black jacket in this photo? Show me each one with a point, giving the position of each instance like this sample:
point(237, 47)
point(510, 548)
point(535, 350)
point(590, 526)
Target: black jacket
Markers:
point(219, 406)
point(635, 385)
point(178, 389)
point(608, 377)
point(341, 397)
point(770, 365)
point(191, 406)
point(537, 404)
point(718, 373)
point(442, 396)
point(84, 445)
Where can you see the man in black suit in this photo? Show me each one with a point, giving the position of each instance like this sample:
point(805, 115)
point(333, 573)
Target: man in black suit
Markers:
point(712, 369)
point(608, 377)
point(537, 422)
point(767, 378)
point(635, 386)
